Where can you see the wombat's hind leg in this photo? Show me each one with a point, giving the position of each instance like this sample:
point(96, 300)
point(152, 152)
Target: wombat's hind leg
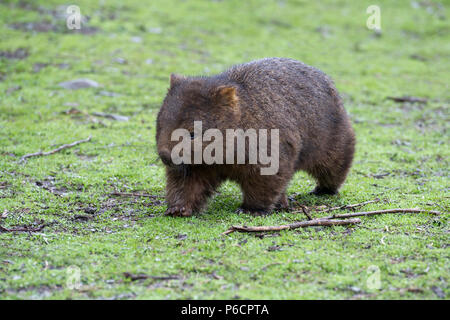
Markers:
point(332, 171)
point(321, 191)
point(330, 178)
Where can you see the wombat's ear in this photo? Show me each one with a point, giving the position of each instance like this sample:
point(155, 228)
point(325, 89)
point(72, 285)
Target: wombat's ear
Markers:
point(226, 96)
point(175, 79)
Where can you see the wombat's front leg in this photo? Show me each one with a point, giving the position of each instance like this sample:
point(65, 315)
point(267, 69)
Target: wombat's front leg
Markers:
point(187, 192)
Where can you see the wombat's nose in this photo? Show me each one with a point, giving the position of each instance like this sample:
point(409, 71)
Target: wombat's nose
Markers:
point(165, 157)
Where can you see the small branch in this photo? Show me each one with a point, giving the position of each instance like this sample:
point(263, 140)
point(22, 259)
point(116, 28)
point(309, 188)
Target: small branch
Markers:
point(131, 194)
point(350, 206)
point(306, 212)
point(408, 99)
point(300, 224)
point(327, 221)
point(371, 213)
point(64, 146)
point(22, 229)
point(111, 116)
point(346, 206)
point(141, 276)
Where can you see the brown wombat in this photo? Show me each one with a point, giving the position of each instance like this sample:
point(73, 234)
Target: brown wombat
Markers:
point(315, 134)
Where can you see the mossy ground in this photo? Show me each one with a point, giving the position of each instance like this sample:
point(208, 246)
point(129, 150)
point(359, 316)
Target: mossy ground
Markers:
point(130, 48)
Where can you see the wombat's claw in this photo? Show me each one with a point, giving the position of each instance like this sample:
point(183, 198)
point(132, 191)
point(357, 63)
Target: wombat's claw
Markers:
point(255, 213)
point(178, 212)
point(282, 207)
point(260, 213)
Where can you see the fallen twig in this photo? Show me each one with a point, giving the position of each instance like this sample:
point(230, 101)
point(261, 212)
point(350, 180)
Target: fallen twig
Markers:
point(131, 194)
point(306, 212)
point(408, 99)
point(64, 146)
point(327, 221)
point(371, 213)
point(111, 116)
point(141, 276)
point(350, 206)
point(295, 225)
point(343, 207)
point(22, 229)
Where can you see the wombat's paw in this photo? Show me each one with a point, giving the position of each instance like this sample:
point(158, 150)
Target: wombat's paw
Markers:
point(282, 204)
point(178, 211)
point(254, 212)
point(260, 213)
point(318, 191)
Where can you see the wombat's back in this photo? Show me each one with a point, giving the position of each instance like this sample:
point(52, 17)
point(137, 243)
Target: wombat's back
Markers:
point(284, 86)
point(303, 103)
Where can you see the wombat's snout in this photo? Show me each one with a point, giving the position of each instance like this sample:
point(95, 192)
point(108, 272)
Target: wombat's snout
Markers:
point(165, 157)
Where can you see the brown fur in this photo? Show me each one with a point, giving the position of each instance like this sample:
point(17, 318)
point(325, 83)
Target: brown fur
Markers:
point(315, 131)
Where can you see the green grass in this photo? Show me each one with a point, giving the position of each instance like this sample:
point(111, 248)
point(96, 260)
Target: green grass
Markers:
point(117, 235)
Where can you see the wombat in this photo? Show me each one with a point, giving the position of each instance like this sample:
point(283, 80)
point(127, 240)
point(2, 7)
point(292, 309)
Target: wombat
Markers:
point(315, 133)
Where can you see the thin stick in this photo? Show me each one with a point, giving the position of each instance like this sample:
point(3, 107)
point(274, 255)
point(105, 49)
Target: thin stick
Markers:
point(131, 194)
point(300, 224)
point(22, 229)
point(64, 146)
point(346, 206)
point(408, 99)
point(350, 206)
point(371, 213)
point(306, 212)
point(141, 276)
